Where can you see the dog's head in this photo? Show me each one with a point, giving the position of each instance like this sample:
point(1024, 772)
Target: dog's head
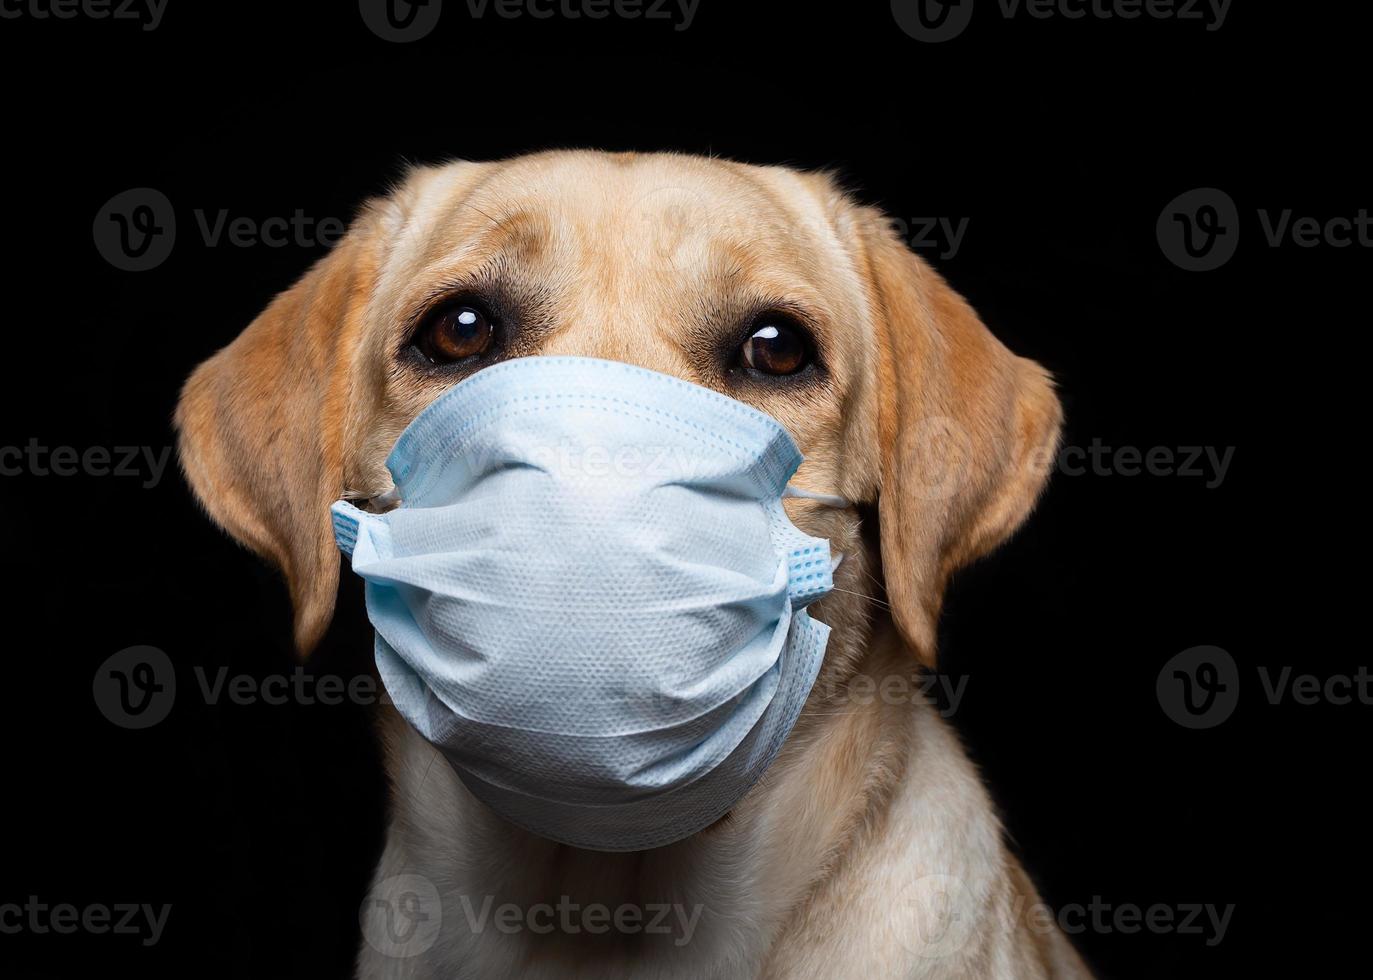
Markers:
point(766, 284)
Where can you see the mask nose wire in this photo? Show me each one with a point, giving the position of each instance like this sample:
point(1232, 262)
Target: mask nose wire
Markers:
point(392, 496)
point(828, 499)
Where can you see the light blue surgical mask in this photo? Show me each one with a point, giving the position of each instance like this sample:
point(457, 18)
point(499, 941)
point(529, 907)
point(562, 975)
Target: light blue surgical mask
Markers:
point(590, 599)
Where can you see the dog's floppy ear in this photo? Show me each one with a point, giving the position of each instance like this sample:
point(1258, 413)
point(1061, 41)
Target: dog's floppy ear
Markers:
point(967, 432)
point(260, 424)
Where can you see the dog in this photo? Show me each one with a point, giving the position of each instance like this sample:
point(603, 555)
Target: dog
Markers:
point(869, 848)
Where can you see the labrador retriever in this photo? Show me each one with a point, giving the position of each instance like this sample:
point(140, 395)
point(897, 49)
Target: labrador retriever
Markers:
point(870, 848)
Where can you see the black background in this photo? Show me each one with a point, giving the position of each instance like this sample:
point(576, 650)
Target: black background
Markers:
point(1060, 140)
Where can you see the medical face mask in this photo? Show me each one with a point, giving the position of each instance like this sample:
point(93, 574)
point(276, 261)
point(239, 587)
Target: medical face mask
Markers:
point(590, 599)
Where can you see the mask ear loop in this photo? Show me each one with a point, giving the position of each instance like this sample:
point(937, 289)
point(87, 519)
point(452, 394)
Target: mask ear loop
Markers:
point(387, 500)
point(828, 499)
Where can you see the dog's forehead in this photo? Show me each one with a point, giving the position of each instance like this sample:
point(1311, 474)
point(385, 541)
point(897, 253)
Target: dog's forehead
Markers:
point(653, 209)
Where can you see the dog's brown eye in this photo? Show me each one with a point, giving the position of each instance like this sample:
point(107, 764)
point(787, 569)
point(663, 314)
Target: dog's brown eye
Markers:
point(455, 332)
point(777, 346)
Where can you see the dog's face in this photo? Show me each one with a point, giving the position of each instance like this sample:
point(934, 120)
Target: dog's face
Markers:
point(768, 285)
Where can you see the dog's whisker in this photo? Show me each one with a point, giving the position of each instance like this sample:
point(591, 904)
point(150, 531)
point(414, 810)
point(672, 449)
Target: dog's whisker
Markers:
point(482, 213)
point(873, 579)
point(873, 599)
point(426, 772)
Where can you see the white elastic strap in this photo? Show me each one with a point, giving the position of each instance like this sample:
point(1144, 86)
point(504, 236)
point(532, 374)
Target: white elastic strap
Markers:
point(828, 499)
